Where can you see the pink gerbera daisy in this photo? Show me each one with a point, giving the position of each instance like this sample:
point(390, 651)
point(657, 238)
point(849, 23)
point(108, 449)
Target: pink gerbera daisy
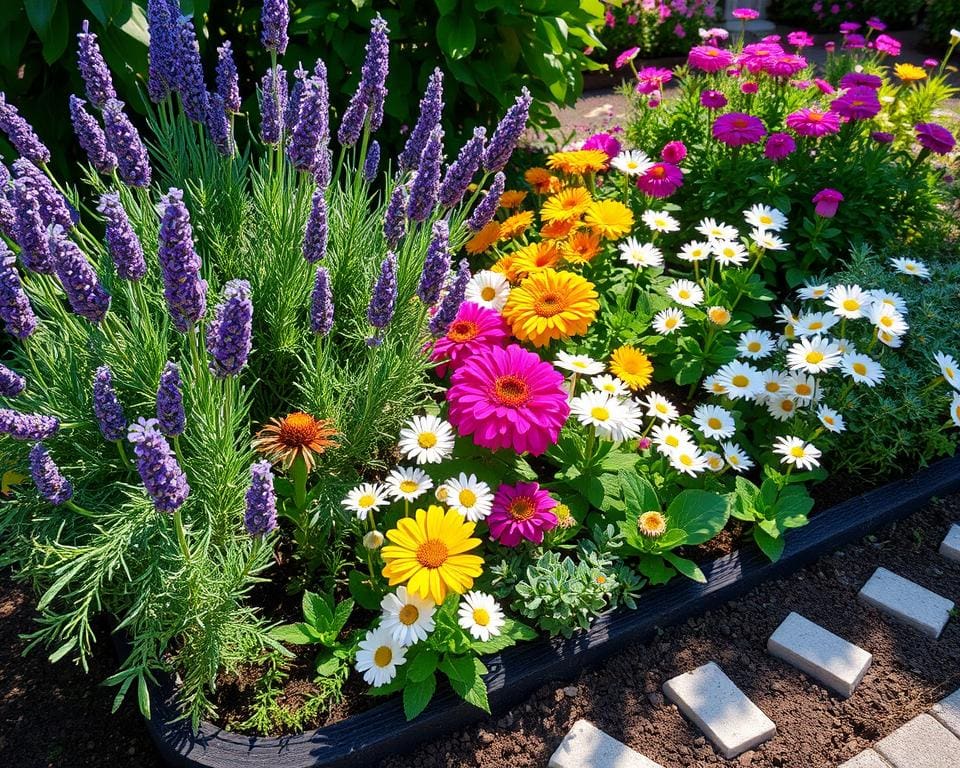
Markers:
point(709, 58)
point(508, 398)
point(521, 511)
point(738, 128)
point(813, 122)
point(661, 180)
point(475, 328)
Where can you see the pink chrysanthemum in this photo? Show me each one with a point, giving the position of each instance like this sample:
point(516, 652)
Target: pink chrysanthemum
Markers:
point(786, 65)
point(605, 143)
point(756, 57)
point(800, 39)
point(935, 137)
point(745, 14)
point(508, 398)
point(779, 146)
point(626, 57)
point(864, 79)
point(859, 103)
point(713, 99)
point(475, 328)
point(661, 180)
point(738, 128)
point(813, 122)
point(826, 202)
point(823, 86)
point(652, 79)
point(888, 45)
point(521, 511)
point(709, 58)
point(674, 152)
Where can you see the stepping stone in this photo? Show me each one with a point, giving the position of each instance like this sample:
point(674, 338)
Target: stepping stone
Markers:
point(912, 604)
point(720, 709)
point(586, 746)
point(947, 712)
point(950, 548)
point(866, 759)
point(921, 743)
point(827, 658)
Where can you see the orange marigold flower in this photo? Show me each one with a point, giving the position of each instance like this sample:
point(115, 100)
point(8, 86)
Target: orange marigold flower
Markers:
point(609, 218)
point(909, 73)
point(570, 203)
point(296, 435)
point(506, 266)
point(557, 230)
point(581, 247)
point(512, 198)
point(534, 257)
point(542, 181)
point(515, 225)
point(484, 238)
point(579, 161)
point(551, 305)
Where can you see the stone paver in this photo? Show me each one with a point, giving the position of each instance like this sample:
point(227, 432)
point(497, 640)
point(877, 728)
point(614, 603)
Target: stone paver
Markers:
point(586, 746)
point(948, 713)
point(921, 743)
point(902, 599)
point(827, 658)
point(950, 548)
point(721, 710)
point(866, 759)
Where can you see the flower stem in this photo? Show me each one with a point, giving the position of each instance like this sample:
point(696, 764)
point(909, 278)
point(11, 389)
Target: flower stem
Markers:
point(123, 455)
point(78, 509)
point(298, 473)
point(181, 534)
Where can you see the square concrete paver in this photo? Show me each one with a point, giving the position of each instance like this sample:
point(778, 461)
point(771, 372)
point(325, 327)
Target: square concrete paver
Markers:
point(826, 657)
point(866, 759)
point(947, 712)
point(906, 601)
point(586, 746)
point(720, 709)
point(950, 548)
point(921, 743)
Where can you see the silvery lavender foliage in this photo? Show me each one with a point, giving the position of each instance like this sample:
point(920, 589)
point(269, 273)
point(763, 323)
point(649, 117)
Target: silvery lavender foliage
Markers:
point(54, 208)
point(183, 288)
point(189, 70)
point(431, 105)
point(27, 426)
point(383, 301)
point(11, 382)
point(228, 81)
point(436, 264)
point(447, 311)
point(462, 170)
point(8, 217)
point(93, 69)
point(85, 295)
point(91, 138)
point(261, 514)
point(292, 113)
point(31, 231)
point(316, 232)
point(218, 124)
point(15, 310)
point(274, 20)
point(230, 332)
point(122, 242)
point(51, 484)
point(372, 163)
point(394, 222)
point(312, 131)
point(367, 102)
point(21, 134)
point(124, 141)
point(321, 303)
point(106, 405)
point(484, 212)
point(508, 133)
point(273, 104)
point(170, 413)
point(161, 70)
point(426, 184)
point(162, 476)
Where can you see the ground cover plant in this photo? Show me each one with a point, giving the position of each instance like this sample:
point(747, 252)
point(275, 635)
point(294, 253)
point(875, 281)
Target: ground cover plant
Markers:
point(442, 415)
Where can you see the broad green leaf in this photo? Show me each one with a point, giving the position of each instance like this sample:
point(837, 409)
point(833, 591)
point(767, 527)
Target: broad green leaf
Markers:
point(457, 35)
point(771, 547)
point(417, 694)
point(518, 630)
point(317, 611)
point(422, 665)
point(341, 614)
point(327, 663)
point(639, 495)
point(700, 513)
point(365, 595)
point(655, 568)
point(477, 693)
point(460, 670)
point(40, 15)
point(295, 634)
point(687, 567)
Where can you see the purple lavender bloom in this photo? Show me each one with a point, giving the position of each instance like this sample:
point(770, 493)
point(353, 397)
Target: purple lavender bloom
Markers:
point(81, 284)
point(91, 138)
point(273, 104)
point(218, 125)
point(106, 406)
point(316, 232)
point(124, 141)
point(383, 301)
point(15, 310)
point(351, 124)
point(93, 69)
point(161, 78)
point(372, 163)
point(292, 113)
point(183, 288)
point(31, 231)
point(162, 476)
point(54, 208)
point(426, 184)
point(436, 264)
point(230, 332)
point(122, 241)
point(188, 69)
point(321, 303)
point(309, 135)
point(274, 21)
point(27, 426)
point(447, 311)
point(367, 102)
point(51, 484)
point(228, 81)
point(261, 514)
point(170, 413)
point(394, 222)
point(11, 382)
point(431, 105)
point(21, 134)
point(8, 217)
point(508, 133)
point(487, 207)
point(462, 170)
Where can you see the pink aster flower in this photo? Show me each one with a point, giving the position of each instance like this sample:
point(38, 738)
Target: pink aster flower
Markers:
point(521, 511)
point(738, 128)
point(830, 46)
point(813, 122)
point(935, 138)
point(863, 79)
point(823, 86)
point(786, 65)
point(826, 202)
point(882, 137)
point(605, 143)
point(661, 180)
point(846, 27)
point(888, 45)
point(475, 328)
point(778, 146)
point(745, 14)
point(673, 152)
point(626, 57)
point(709, 58)
point(858, 103)
point(756, 57)
point(713, 99)
point(652, 79)
point(874, 23)
point(931, 63)
point(854, 42)
point(749, 87)
point(508, 398)
point(800, 39)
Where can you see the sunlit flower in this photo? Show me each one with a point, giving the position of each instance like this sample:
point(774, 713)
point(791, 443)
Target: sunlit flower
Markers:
point(535, 257)
point(632, 367)
point(736, 457)
point(542, 181)
point(768, 242)
point(296, 436)
point(512, 198)
point(813, 354)
point(849, 301)
point(427, 439)
point(559, 229)
point(802, 387)
point(613, 418)
point(378, 657)
point(796, 452)
point(891, 299)
point(755, 345)
point(551, 305)
point(714, 385)
point(765, 217)
point(782, 407)
point(814, 323)
point(832, 420)
point(685, 292)
point(660, 221)
point(407, 483)
point(688, 459)
point(407, 617)
point(366, 498)
point(714, 422)
point(813, 291)
point(521, 511)
point(640, 255)
point(671, 437)
point(909, 73)
point(668, 320)
point(729, 252)
point(474, 328)
point(955, 408)
point(661, 180)
point(949, 369)
point(481, 616)
point(718, 315)
point(694, 251)
point(610, 384)
point(581, 247)
point(714, 230)
point(652, 524)
point(469, 496)
point(632, 162)
point(515, 225)
point(582, 364)
point(578, 162)
point(658, 407)
point(715, 462)
point(610, 219)
point(774, 382)
point(887, 319)
point(488, 289)
point(482, 240)
point(567, 204)
point(740, 379)
point(913, 267)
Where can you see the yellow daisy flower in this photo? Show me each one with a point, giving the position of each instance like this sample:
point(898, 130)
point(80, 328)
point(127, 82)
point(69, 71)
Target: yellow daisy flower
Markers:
point(579, 161)
point(515, 225)
point(542, 181)
point(512, 198)
point(483, 239)
point(581, 247)
point(631, 366)
point(567, 204)
point(909, 73)
point(551, 305)
point(609, 218)
point(535, 257)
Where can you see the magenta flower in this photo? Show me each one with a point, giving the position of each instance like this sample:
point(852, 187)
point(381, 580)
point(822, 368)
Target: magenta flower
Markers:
point(661, 180)
point(605, 143)
point(826, 202)
point(736, 129)
point(861, 79)
point(521, 511)
point(813, 122)
point(855, 42)
point(652, 79)
point(778, 146)
point(786, 65)
point(823, 86)
point(874, 23)
point(673, 152)
point(713, 99)
point(756, 57)
point(745, 14)
point(934, 137)
point(830, 46)
point(709, 58)
point(931, 63)
point(858, 103)
point(888, 45)
point(749, 87)
point(473, 330)
point(882, 137)
point(800, 39)
point(626, 57)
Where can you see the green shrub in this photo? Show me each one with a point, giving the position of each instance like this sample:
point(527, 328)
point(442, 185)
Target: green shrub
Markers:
point(632, 24)
point(939, 18)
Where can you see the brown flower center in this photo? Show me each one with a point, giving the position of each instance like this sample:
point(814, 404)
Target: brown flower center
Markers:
point(382, 656)
point(548, 305)
point(522, 508)
point(488, 293)
point(299, 429)
point(408, 615)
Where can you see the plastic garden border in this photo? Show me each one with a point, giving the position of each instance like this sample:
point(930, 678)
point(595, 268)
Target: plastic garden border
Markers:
point(365, 738)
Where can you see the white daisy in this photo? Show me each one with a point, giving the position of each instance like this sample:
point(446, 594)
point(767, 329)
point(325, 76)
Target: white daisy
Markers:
point(612, 418)
point(579, 364)
point(659, 221)
point(427, 439)
point(767, 241)
point(949, 369)
point(632, 162)
point(660, 408)
point(469, 496)
point(774, 382)
point(378, 657)
point(669, 437)
point(786, 315)
point(685, 292)
point(611, 385)
point(366, 498)
point(849, 301)
point(862, 369)
point(688, 459)
point(407, 616)
point(755, 345)
point(715, 462)
point(802, 388)
point(740, 379)
point(488, 289)
point(694, 251)
point(714, 421)
point(782, 407)
point(814, 354)
point(813, 291)
point(887, 319)
point(408, 483)
point(831, 419)
point(796, 452)
point(729, 252)
point(736, 457)
point(640, 255)
point(765, 217)
point(892, 340)
point(955, 408)
point(714, 385)
point(714, 230)
point(895, 300)
point(719, 315)
point(813, 323)
point(481, 615)
point(911, 267)
point(669, 320)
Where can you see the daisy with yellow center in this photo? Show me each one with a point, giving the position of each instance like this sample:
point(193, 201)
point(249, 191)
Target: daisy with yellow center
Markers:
point(469, 496)
point(795, 452)
point(909, 73)
point(581, 247)
point(297, 436)
point(426, 439)
point(378, 657)
point(652, 524)
point(408, 483)
point(610, 219)
point(366, 498)
point(512, 198)
point(488, 289)
point(481, 616)
point(515, 225)
point(578, 162)
point(632, 367)
point(567, 205)
point(955, 408)
point(718, 315)
point(551, 305)
point(483, 239)
point(949, 369)
point(736, 457)
point(407, 617)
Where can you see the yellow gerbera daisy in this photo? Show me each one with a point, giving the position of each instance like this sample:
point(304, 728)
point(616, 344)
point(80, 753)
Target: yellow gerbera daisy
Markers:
point(579, 161)
point(909, 73)
point(567, 204)
point(484, 238)
point(515, 225)
point(512, 198)
point(631, 366)
point(551, 305)
point(609, 218)
point(506, 266)
point(581, 247)
point(428, 553)
point(542, 181)
point(557, 230)
point(535, 257)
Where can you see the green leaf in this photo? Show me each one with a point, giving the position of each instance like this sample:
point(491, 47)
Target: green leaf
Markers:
point(417, 694)
point(341, 614)
point(327, 663)
point(63, 650)
point(365, 595)
point(460, 671)
point(771, 547)
point(40, 15)
point(700, 513)
point(687, 567)
point(494, 645)
point(295, 634)
point(445, 6)
point(317, 610)
point(477, 693)
point(639, 495)
point(422, 665)
point(655, 568)
point(143, 696)
point(619, 460)
point(518, 630)
point(457, 35)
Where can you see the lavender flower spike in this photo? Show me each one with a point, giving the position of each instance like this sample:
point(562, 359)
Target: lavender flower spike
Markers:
point(31, 231)
point(461, 172)
point(436, 265)
point(393, 220)
point(106, 406)
point(383, 302)
point(372, 164)
point(188, 70)
point(322, 168)
point(367, 102)
point(312, 126)
point(316, 232)
point(11, 382)
point(91, 138)
point(273, 103)
point(21, 134)
point(183, 288)
point(274, 20)
point(426, 184)
point(487, 208)
point(228, 81)
point(93, 69)
point(162, 476)
point(321, 304)
point(84, 293)
point(8, 218)
point(261, 514)
point(229, 333)
point(218, 125)
point(15, 310)
point(160, 50)
point(54, 208)
point(124, 141)
point(431, 105)
point(508, 133)
point(170, 413)
point(51, 484)
point(292, 113)
point(122, 241)
point(27, 426)
point(447, 312)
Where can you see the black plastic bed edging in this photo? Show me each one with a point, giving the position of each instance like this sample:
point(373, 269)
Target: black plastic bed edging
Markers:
point(515, 673)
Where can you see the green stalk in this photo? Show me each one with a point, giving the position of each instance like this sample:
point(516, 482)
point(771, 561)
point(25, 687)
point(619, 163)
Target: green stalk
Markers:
point(181, 534)
point(123, 455)
point(298, 474)
point(78, 509)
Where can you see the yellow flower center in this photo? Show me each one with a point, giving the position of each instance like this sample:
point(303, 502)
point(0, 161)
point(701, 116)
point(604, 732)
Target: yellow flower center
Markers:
point(522, 508)
point(851, 304)
point(860, 369)
point(462, 331)
point(683, 293)
point(804, 390)
point(367, 500)
point(754, 346)
point(814, 357)
point(733, 459)
point(408, 486)
point(432, 553)
point(714, 423)
point(488, 293)
point(481, 617)
point(548, 305)
point(511, 390)
point(600, 413)
point(949, 373)
point(786, 406)
point(686, 459)
point(426, 439)
point(886, 320)
point(652, 523)
point(764, 219)
point(670, 322)
point(772, 386)
point(408, 615)
point(672, 440)
point(816, 325)
point(797, 451)
point(740, 381)
point(383, 656)
point(828, 420)
point(661, 408)
point(467, 498)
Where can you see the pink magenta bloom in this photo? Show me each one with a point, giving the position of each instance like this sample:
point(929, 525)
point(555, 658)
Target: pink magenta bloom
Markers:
point(800, 39)
point(934, 137)
point(745, 14)
point(931, 62)
point(605, 143)
point(786, 65)
point(661, 180)
point(826, 202)
point(813, 122)
point(854, 42)
point(508, 398)
point(749, 87)
point(778, 146)
point(713, 99)
point(626, 57)
point(888, 45)
point(859, 103)
point(823, 86)
point(521, 511)
point(738, 128)
point(673, 152)
point(846, 27)
point(709, 58)
point(882, 137)
point(756, 57)
point(652, 79)
point(475, 328)
point(829, 46)
point(863, 79)
point(874, 23)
